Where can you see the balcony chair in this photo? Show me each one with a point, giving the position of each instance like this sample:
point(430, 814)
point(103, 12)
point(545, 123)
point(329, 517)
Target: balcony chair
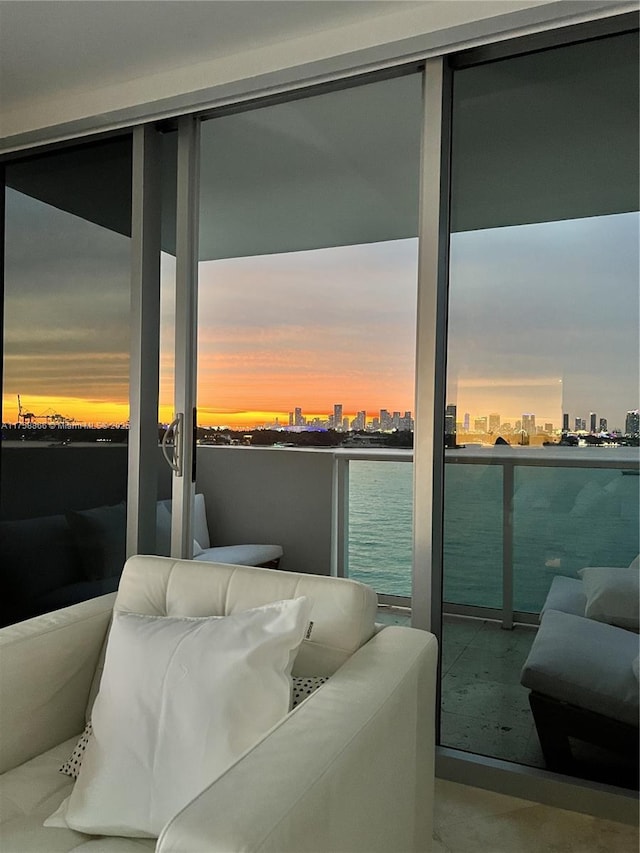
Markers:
point(582, 669)
point(266, 556)
point(349, 770)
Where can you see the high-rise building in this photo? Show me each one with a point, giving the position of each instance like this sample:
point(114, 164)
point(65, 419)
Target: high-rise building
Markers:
point(386, 421)
point(480, 425)
point(406, 422)
point(396, 420)
point(592, 422)
point(632, 423)
point(548, 428)
point(581, 424)
point(494, 422)
point(337, 416)
point(604, 426)
point(466, 421)
point(529, 423)
point(290, 418)
point(298, 420)
point(565, 422)
point(450, 414)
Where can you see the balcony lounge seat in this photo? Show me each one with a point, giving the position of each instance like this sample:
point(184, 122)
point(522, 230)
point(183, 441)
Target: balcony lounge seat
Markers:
point(582, 669)
point(267, 556)
point(349, 770)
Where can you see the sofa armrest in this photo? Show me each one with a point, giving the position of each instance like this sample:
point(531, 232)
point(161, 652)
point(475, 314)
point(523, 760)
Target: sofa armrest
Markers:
point(350, 770)
point(47, 665)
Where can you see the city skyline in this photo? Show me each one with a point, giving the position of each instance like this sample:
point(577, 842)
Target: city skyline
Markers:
point(530, 328)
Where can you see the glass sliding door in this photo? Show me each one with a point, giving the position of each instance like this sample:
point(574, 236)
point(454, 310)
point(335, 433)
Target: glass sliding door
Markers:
point(306, 333)
point(541, 458)
point(65, 404)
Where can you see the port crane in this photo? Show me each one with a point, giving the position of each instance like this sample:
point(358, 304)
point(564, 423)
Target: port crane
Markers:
point(47, 415)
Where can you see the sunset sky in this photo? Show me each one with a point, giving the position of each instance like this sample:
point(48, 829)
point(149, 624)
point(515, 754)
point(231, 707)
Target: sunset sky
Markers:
point(542, 317)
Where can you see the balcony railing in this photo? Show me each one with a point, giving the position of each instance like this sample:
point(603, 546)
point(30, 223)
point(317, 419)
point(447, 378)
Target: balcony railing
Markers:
point(529, 513)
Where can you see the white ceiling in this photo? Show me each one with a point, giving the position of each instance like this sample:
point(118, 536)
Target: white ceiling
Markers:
point(51, 45)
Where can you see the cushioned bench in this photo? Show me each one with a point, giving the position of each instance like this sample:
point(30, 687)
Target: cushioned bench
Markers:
point(582, 671)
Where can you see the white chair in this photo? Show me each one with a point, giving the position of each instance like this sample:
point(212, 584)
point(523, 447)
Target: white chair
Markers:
point(266, 556)
point(349, 770)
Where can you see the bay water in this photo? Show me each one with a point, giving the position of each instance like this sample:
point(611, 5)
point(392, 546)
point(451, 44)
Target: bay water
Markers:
point(563, 519)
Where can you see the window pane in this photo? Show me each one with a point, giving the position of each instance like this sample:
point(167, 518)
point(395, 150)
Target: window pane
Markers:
point(307, 311)
point(542, 382)
point(65, 407)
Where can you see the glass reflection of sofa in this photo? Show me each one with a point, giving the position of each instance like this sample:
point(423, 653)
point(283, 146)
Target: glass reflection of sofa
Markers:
point(582, 669)
point(58, 560)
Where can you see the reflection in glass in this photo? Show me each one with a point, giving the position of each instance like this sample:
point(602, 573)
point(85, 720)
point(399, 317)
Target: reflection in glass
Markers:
point(65, 406)
point(542, 375)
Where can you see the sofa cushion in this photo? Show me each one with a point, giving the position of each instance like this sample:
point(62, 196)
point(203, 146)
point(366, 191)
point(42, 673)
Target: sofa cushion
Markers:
point(37, 557)
point(585, 663)
point(100, 536)
point(240, 555)
point(195, 693)
point(163, 531)
point(567, 595)
point(200, 526)
point(29, 793)
point(343, 612)
point(613, 595)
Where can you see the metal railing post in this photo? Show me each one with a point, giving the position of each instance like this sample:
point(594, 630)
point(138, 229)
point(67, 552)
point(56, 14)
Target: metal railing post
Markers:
point(507, 545)
point(341, 474)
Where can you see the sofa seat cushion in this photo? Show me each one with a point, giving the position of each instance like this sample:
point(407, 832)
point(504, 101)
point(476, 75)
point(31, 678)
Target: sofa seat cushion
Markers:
point(585, 663)
point(567, 595)
point(241, 555)
point(30, 793)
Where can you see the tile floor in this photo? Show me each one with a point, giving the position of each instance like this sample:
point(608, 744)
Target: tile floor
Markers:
point(470, 820)
point(485, 709)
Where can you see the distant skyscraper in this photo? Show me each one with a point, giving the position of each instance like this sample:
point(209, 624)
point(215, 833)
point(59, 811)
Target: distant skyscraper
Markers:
point(298, 419)
point(480, 425)
point(360, 421)
point(548, 428)
point(529, 424)
point(290, 418)
point(603, 425)
point(406, 422)
point(581, 424)
point(386, 421)
point(565, 422)
point(494, 422)
point(632, 423)
point(592, 421)
point(450, 414)
point(337, 416)
point(466, 421)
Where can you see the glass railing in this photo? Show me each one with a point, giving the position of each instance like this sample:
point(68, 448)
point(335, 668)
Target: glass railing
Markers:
point(514, 518)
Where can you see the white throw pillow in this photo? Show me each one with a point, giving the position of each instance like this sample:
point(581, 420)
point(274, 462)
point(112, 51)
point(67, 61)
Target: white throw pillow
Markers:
point(303, 687)
point(612, 595)
point(181, 699)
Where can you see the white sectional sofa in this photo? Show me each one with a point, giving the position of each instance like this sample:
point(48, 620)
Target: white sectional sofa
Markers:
point(349, 770)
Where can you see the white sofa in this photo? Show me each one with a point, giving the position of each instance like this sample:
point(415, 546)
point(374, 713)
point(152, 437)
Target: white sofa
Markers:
point(349, 769)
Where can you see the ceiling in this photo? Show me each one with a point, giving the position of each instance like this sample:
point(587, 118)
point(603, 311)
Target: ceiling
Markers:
point(45, 43)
